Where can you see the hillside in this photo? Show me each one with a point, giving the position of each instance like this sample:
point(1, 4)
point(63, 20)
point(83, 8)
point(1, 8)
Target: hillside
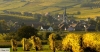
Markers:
point(52, 6)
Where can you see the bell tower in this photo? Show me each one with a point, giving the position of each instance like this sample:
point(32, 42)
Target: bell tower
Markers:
point(65, 16)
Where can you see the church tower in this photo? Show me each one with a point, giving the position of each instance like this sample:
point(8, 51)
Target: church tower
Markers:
point(65, 17)
point(64, 24)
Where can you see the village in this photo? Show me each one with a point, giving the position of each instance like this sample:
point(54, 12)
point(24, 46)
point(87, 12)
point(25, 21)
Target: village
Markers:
point(60, 23)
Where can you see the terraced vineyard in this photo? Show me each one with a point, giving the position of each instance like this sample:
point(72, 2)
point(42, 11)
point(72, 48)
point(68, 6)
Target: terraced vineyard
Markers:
point(52, 6)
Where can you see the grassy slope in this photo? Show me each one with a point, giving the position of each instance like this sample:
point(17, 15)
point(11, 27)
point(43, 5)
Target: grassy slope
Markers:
point(53, 6)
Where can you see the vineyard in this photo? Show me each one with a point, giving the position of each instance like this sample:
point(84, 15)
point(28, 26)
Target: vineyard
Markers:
point(82, 42)
point(72, 42)
point(87, 9)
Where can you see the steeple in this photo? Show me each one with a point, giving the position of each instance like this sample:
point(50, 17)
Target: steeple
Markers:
point(65, 16)
point(64, 24)
point(65, 12)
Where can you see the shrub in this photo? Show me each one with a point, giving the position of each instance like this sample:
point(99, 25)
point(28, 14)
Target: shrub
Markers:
point(14, 44)
point(91, 41)
point(26, 44)
point(36, 43)
point(52, 41)
point(72, 42)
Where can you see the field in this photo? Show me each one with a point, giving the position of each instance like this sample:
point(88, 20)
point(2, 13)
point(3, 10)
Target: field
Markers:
point(45, 49)
point(88, 38)
point(20, 49)
point(52, 6)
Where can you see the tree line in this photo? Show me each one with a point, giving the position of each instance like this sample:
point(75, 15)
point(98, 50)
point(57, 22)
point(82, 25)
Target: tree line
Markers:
point(91, 4)
point(18, 13)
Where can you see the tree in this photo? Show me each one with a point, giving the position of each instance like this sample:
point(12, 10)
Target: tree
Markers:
point(50, 19)
point(37, 16)
point(78, 12)
point(3, 26)
point(22, 24)
point(52, 38)
point(43, 18)
point(26, 32)
point(93, 22)
point(98, 25)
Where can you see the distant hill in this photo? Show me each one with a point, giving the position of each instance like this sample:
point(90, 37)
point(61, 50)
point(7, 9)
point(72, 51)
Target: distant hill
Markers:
point(88, 8)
